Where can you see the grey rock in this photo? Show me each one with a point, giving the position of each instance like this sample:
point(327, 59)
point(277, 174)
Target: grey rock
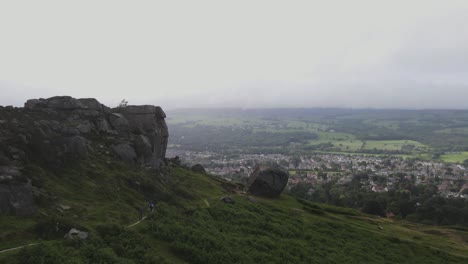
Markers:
point(77, 145)
point(23, 139)
point(3, 157)
point(56, 102)
point(252, 199)
point(34, 104)
point(91, 103)
point(70, 131)
point(143, 146)
point(143, 117)
point(9, 172)
point(102, 125)
point(16, 153)
point(139, 109)
point(64, 103)
point(85, 127)
point(153, 162)
point(113, 132)
point(88, 113)
point(17, 199)
point(64, 207)
point(119, 123)
point(106, 110)
point(57, 126)
point(76, 234)
point(175, 160)
point(125, 152)
point(198, 168)
point(160, 113)
point(228, 200)
point(148, 120)
point(267, 181)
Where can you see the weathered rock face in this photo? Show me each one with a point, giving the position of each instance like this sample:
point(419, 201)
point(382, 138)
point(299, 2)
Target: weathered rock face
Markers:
point(16, 199)
point(63, 129)
point(62, 126)
point(125, 152)
point(149, 121)
point(267, 181)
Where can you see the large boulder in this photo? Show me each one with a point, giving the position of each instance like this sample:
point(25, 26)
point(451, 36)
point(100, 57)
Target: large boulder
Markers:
point(77, 146)
point(267, 181)
point(125, 152)
point(149, 121)
point(102, 125)
point(198, 168)
point(76, 234)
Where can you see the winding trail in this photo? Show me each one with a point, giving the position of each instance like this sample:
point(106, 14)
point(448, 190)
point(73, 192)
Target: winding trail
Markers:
point(137, 222)
point(33, 244)
point(20, 247)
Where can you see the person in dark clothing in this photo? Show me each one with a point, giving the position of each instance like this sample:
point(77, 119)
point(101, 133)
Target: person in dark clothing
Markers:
point(151, 206)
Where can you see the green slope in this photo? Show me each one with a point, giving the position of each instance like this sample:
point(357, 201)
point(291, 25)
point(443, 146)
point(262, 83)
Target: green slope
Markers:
point(191, 225)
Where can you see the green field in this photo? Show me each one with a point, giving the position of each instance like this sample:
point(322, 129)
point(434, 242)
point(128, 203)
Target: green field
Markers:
point(392, 144)
point(349, 143)
point(420, 134)
point(345, 142)
point(393, 125)
point(328, 140)
point(455, 157)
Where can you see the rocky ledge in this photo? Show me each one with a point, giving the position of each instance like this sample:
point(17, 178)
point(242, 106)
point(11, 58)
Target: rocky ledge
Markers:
point(61, 128)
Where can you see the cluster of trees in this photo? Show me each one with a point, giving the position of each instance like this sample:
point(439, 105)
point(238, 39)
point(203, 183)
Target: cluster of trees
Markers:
point(419, 203)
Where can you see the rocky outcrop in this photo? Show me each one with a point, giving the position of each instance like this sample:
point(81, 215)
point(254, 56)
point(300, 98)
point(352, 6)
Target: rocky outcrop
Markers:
point(58, 127)
point(63, 129)
point(267, 181)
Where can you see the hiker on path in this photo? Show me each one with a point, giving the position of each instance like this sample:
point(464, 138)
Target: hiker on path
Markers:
point(151, 206)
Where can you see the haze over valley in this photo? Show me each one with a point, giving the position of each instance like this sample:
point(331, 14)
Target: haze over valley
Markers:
point(242, 132)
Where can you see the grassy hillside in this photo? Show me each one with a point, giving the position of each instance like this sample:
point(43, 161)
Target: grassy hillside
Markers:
point(191, 224)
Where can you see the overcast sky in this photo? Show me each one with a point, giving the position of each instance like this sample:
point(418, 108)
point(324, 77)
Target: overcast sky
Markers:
point(379, 54)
